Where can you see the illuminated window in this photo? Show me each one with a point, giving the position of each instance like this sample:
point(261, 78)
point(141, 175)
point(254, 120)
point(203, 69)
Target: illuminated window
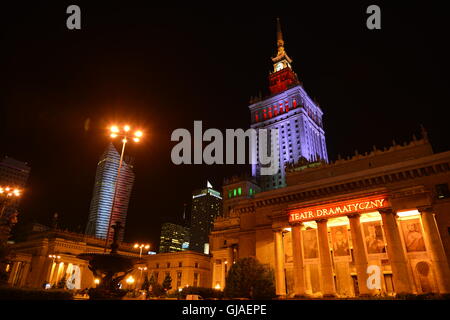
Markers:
point(230, 193)
point(250, 191)
point(234, 192)
point(256, 117)
point(294, 103)
point(239, 190)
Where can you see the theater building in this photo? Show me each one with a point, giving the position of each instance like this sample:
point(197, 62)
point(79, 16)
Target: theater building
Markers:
point(335, 224)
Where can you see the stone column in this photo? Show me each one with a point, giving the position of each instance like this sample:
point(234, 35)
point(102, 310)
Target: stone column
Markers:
point(326, 267)
point(279, 263)
point(359, 253)
point(435, 249)
point(299, 272)
point(396, 253)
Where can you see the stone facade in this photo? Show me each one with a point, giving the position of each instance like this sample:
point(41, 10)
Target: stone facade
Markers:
point(337, 224)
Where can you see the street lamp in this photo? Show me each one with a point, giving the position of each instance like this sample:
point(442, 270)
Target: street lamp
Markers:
point(130, 280)
point(125, 134)
point(141, 269)
point(53, 257)
point(141, 246)
point(7, 194)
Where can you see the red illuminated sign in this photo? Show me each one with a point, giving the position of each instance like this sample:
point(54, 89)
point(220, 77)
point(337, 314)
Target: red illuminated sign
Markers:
point(338, 208)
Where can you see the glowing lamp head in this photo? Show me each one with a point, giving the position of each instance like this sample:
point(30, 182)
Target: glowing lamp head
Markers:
point(147, 246)
point(126, 128)
point(96, 281)
point(138, 134)
point(130, 280)
point(136, 246)
point(136, 139)
point(114, 129)
point(113, 135)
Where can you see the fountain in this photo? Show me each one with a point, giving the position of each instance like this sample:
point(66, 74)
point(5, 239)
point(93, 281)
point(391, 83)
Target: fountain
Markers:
point(110, 268)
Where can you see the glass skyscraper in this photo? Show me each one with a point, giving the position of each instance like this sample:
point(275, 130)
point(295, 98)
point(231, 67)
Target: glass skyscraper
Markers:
point(174, 237)
point(206, 206)
point(103, 195)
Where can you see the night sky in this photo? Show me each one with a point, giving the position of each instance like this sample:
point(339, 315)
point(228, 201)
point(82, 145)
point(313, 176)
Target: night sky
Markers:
point(162, 68)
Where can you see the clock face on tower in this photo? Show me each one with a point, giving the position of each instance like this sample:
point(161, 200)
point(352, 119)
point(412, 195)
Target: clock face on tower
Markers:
point(279, 66)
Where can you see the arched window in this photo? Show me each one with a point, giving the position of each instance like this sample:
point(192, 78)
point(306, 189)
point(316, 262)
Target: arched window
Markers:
point(294, 103)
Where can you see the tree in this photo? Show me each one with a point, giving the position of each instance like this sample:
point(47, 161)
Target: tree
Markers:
point(167, 283)
point(146, 284)
point(248, 278)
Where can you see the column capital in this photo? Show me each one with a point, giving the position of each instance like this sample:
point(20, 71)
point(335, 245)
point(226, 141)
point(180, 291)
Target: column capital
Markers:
point(296, 224)
point(386, 211)
point(321, 220)
point(427, 208)
point(354, 215)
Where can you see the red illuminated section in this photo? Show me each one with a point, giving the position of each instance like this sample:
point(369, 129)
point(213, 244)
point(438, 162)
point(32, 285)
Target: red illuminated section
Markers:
point(339, 208)
point(282, 80)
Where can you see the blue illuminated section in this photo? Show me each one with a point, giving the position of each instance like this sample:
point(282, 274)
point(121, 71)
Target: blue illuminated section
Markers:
point(103, 194)
point(298, 120)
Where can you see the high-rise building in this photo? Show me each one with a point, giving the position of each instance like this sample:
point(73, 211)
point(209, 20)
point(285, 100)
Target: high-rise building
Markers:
point(297, 118)
point(206, 206)
point(174, 237)
point(103, 195)
point(13, 173)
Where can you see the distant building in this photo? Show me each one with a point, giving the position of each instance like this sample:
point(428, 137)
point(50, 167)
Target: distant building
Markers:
point(187, 269)
point(31, 265)
point(103, 195)
point(174, 237)
point(206, 206)
point(13, 173)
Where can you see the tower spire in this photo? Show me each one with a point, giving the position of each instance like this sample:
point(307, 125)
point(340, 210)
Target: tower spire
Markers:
point(280, 41)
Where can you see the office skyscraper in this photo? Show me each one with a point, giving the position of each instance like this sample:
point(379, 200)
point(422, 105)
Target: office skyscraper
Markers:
point(293, 113)
point(103, 195)
point(206, 206)
point(174, 237)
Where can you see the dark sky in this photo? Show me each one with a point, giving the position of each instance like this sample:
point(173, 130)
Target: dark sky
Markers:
point(162, 68)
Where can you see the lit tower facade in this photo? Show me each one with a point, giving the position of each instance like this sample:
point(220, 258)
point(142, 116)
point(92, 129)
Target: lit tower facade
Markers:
point(293, 113)
point(103, 195)
point(206, 206)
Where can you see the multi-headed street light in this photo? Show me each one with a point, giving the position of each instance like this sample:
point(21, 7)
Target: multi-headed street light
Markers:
point(141, 246)
point(125, 133)
point(7, 194)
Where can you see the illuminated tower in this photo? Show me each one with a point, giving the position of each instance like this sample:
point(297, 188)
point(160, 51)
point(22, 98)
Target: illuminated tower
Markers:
point(206, 206)
point(102, 198)
point(293, 113)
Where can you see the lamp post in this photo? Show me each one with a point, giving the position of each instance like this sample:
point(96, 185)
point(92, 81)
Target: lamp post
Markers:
point(125, 134)
point(53, 257)
point(8, 194)
point(141, 269)
point(141, 246)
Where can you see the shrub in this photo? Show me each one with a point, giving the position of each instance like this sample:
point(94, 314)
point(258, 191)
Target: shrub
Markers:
point(248, 278)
